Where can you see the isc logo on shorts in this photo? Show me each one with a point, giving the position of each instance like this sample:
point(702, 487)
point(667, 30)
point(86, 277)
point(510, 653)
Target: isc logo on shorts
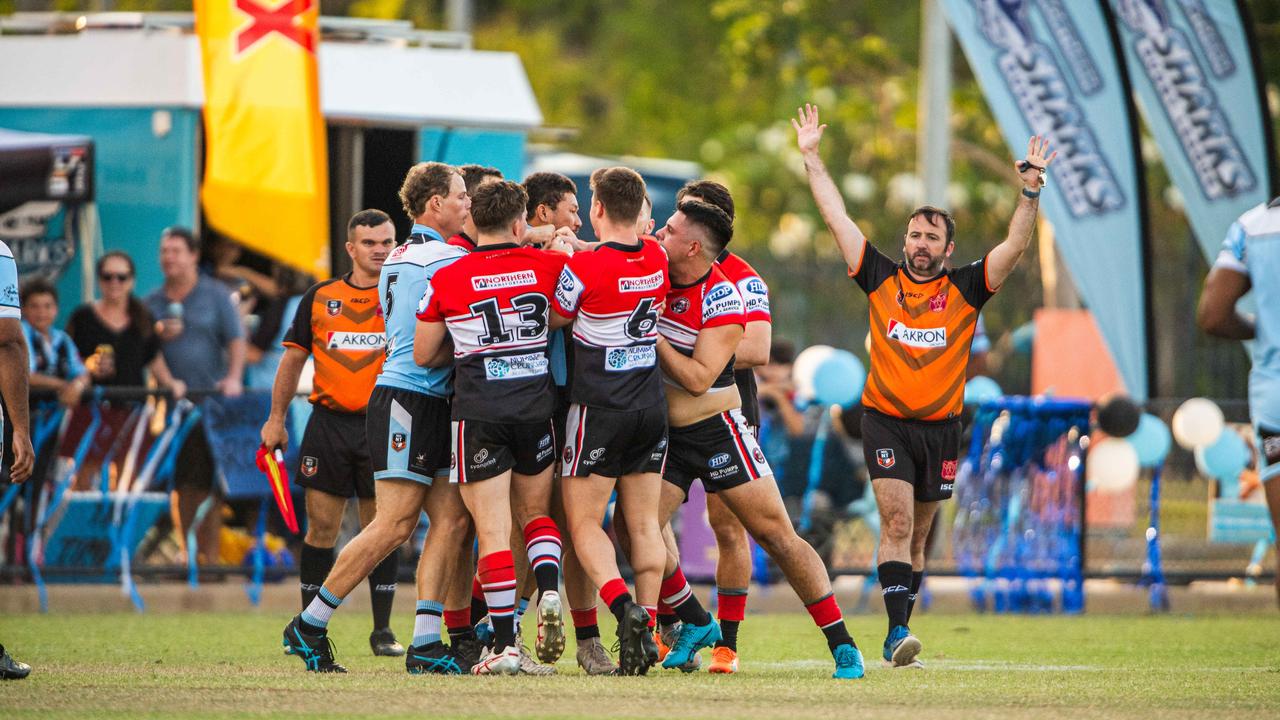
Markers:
point(885, 459)
point(640, 284)
point(505, 280)
point(917, 337)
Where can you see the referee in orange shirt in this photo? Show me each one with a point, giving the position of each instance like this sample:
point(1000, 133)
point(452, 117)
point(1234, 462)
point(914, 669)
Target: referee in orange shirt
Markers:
point(922, 322)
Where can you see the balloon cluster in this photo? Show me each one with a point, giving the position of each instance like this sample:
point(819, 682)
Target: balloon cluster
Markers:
point(828, 376)
point(1220, 452)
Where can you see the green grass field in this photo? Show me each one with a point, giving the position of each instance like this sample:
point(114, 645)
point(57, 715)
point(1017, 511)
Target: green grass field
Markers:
point(225, 664)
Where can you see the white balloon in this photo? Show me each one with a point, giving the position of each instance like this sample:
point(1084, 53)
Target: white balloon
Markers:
point(806, 366)
point(1197, 423)
point(1112, 465)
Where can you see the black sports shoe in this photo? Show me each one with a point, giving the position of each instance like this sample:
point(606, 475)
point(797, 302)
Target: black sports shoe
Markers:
point(11, 668)
point(383, 642)
point(315, 650)
point(636, 650)
point(434, 658)
point(467, 650)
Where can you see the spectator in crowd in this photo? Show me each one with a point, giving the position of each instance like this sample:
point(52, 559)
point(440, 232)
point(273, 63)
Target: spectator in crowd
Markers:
point(54, 361)
point(117, 333)
point(202, 340)
point(203, 345)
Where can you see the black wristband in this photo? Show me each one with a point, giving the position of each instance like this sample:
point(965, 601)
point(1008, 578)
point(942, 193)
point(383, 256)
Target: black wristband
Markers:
point(1032, 195)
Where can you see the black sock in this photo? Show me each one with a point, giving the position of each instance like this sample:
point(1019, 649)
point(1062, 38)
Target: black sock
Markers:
point(382, 589)
point(619, 606)
point(478, 610)
point(548, 577)
point(313, 568)
point(916, 579)
point(459, 634)
point(586, 632)
point(691, 611)
point(895, 580)
point(729, 634)
point(667, 619)
point(837, 634)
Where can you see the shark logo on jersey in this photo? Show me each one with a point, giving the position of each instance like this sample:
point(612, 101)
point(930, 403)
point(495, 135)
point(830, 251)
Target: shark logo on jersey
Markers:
point(426, 300)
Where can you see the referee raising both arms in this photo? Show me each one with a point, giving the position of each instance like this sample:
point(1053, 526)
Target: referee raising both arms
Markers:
point(922, 323)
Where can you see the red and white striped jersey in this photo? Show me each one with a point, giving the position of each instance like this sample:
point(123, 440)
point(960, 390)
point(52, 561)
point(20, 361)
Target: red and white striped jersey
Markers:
point(712, 301)
point(496, 303)
point(615, 293)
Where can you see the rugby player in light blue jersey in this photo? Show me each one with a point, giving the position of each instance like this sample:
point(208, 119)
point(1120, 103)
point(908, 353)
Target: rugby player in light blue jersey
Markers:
point(1250, 259)
point(408, 426)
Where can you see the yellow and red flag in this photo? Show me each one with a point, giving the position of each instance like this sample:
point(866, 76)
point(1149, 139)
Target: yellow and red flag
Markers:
point(271, 463)
point(266, 180)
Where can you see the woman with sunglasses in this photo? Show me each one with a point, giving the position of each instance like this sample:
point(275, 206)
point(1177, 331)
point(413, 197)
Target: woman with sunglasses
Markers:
point(116, 333)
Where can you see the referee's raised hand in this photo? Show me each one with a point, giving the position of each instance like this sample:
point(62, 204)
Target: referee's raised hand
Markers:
point(808, 128)
point(1031, 168)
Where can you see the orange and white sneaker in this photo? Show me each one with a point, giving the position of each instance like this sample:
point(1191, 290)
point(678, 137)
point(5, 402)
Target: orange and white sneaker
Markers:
point(723, 661)
point(664, 640)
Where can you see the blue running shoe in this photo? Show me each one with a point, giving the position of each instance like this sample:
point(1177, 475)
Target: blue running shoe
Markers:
point(901, 647)
point(692, 639)
point(848, 663)
point(316, 651)
point(433, 659)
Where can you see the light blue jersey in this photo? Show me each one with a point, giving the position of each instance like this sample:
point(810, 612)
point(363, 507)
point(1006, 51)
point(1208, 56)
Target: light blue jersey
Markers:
point(405, 277)
point(8, 284)
point(1252, 248)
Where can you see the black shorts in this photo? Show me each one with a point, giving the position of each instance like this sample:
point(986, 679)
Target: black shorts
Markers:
point(613, 443)
point(334, 455)
point(482, 450)
point(408, 435)
point(924, 454)
point(720, 451)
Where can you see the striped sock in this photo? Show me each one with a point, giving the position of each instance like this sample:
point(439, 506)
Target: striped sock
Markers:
point(542, 542)
point(426, 623)
point(653, 615)
point(498, 578)
point(731, 610)
point(666, 616)
point(315, 619)
point(826, 615)
point(521, 606)
point(677, 594)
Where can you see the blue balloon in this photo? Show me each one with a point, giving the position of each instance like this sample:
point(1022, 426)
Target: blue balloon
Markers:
point(980, 389)
point(1226, 458)
point(839, 379)
point(1151, 440)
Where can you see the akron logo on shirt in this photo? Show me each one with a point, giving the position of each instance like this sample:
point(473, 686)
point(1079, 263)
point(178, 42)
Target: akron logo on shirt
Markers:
point(640, 284)
point(343, 340)
point(505, 280)
point(917, 337)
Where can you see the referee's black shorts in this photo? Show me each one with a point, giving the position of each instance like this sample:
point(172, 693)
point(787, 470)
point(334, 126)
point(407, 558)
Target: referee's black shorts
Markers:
point(334, 454)
point(924, 454)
